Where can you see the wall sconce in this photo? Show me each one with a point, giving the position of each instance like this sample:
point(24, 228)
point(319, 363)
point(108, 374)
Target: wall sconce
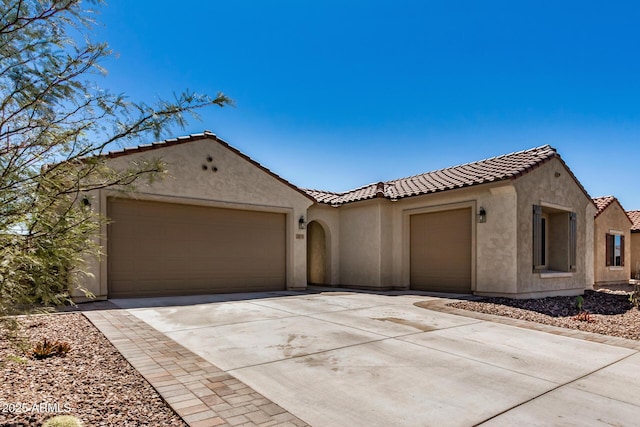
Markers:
point(482, 215)
point(302, 224)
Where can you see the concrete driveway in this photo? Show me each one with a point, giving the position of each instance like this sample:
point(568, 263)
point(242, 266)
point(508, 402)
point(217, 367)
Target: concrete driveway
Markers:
point(358, 359)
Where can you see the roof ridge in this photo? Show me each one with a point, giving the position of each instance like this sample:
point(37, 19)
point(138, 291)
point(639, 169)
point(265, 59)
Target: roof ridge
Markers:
point(492, 169)
point(546, 146)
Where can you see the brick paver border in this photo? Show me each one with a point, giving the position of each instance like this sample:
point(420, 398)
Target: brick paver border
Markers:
point(198, 391)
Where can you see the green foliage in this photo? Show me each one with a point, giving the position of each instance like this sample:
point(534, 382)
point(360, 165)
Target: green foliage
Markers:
point(55, 125)
point(63, 421)
point(579, 302)
point(47, 348)
point(17, 359)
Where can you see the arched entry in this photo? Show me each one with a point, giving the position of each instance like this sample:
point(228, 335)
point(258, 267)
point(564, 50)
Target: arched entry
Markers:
point(317, 259)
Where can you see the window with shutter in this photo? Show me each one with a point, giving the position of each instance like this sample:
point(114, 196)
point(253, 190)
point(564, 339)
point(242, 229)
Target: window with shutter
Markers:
point(555, 239)
point(614, 251)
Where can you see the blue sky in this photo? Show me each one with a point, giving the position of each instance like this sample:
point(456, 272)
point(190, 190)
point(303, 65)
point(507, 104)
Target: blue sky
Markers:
point(338, 94)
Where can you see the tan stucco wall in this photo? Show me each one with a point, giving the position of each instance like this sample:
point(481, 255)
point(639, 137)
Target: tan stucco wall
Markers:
point(237, 183)
point(612, 220)
point(635, 255)
point(361, 244)
point(542, 187)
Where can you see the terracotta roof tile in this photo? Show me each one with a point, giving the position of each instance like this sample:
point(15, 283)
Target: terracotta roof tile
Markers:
point(602, 203)
point(508, 166)
point(634, 216)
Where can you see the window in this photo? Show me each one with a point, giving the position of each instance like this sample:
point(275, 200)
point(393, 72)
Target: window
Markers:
point(554, 239)
point(615, 250)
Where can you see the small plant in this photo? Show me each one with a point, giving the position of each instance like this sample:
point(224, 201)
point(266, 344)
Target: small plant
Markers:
point(17, 359)
point(63, 421)
point(579, 302)
point(63, 347)
point(46, 348)
point(634, 298)
point(584, 316)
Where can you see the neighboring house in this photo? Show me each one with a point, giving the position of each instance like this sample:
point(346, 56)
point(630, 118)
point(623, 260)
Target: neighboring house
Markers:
point(517, 225)
point(612, 243)
point(634, 216)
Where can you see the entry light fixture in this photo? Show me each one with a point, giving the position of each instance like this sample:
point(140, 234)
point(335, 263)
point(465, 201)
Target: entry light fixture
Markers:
point(302, 224)
point(482, 215)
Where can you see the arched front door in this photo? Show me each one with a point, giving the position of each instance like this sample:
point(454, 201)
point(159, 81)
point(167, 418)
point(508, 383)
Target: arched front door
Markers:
point(316, 254)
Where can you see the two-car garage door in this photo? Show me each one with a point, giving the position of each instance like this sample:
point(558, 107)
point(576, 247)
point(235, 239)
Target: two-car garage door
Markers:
point(159, 249)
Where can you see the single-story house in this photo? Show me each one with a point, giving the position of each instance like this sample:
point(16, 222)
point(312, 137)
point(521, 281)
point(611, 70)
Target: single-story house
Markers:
point(612, 243)
point(518, 225)
point(634, 216)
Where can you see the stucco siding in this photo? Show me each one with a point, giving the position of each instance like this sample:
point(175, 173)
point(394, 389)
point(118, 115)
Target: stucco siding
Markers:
point(635, 255)
point(360, 243)
point(497, 242)
point(552, 185)
point(229, 181)
point(612, 220)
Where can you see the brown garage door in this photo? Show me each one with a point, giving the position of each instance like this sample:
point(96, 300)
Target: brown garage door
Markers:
point(441, 251)
point(171, 249)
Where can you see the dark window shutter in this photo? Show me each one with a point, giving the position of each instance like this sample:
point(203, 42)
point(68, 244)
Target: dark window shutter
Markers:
point(537, 238)
point(573, 241)
point(609, 249)
point(621, 251)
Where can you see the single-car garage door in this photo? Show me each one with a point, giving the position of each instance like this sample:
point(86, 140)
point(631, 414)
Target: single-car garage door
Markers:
point(157, 249)
point(441, 251)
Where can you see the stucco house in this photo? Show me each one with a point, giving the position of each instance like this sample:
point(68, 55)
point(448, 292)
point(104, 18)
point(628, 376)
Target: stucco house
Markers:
point(612, 243)
point(518, 225)
point(634, 216)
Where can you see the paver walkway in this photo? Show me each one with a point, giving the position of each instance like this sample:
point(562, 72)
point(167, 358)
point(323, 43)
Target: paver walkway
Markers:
point(201, 393)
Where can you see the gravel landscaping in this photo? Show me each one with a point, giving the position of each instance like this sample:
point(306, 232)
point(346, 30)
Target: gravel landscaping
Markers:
point(92, 381)
point(609, 312)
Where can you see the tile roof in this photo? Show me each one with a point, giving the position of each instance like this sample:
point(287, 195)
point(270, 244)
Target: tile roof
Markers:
point(500, 168)
point(603, 202)
point(197, 137)
point(634, 216)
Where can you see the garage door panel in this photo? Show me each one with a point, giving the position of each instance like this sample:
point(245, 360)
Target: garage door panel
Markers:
point(440, 251)
point(170, 249)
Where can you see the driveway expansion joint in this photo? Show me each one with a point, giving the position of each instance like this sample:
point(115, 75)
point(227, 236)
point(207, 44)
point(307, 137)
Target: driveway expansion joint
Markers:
point(199, 392)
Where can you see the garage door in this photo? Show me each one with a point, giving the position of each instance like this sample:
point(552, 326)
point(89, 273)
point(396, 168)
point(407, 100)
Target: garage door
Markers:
point(157, 249)
point(441, 251)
